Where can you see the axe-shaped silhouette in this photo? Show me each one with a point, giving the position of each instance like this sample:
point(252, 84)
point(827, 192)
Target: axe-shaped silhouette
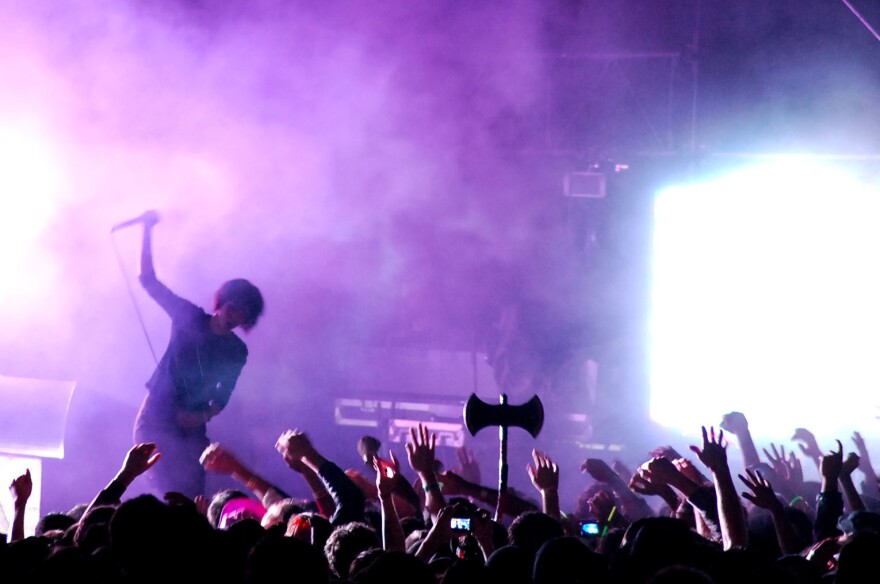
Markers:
point(478, 415)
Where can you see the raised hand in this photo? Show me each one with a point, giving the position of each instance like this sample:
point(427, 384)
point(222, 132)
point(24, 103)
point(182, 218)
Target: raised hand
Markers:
point(849, 465)
point(215, 458)
point(545, 473)
point(762, 494)
point(830, 464)
point(21, 488)
point(293, 445)
point(202, 503)
point(420, 449)
point(386, 477)
point(777, 460)
point(714, 452)
point(468, 468)
point(860, 444)
point(639, 483)
point(688, 469)
point(138, 460)
point(808, 444)
point(735, 423)
point(603, 505)
point(600, 471)
point(795, 472)
point(665, 452)
point(659, 471)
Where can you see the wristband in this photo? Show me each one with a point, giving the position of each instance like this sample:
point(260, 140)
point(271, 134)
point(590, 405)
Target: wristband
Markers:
point(430, 486)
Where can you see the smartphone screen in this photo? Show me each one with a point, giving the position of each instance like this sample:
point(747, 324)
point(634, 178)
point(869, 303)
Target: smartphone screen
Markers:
point(590, 528)
point(460, 523)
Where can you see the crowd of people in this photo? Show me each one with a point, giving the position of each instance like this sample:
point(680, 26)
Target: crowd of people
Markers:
point(674, 519)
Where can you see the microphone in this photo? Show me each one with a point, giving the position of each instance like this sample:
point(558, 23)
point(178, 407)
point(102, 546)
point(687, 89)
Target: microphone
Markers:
point(146, 217)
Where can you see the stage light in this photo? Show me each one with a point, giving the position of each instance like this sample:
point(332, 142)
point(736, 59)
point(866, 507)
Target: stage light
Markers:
point(766, 300)
point(31, 186)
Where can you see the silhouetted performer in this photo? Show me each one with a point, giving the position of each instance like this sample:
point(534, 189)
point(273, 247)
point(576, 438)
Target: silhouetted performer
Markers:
point(195, 377)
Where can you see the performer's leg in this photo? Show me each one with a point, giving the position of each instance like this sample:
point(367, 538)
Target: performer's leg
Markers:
point(179, 469)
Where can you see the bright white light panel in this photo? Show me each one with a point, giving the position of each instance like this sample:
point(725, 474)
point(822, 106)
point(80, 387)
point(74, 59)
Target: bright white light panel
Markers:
point(766, 300)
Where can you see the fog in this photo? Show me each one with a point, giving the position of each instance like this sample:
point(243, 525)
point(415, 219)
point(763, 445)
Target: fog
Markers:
point(371, 167)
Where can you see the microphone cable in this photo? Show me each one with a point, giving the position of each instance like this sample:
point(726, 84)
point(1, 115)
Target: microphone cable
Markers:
point(126, 278)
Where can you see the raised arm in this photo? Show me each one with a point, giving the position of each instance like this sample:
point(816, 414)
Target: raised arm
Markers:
point(545, 478)
point(393, 539)
point(808, 444)
point(348, 498)
point(633, 507)
point(762, 495)
point(735, 423)
point(138, 460)
point(20, 489)
point(216, 458)
point(453, 484)
point(420, 453)
point(870, 486)
point(734, 530)
point(150, 218)
point(829, 506)
point(853, 499)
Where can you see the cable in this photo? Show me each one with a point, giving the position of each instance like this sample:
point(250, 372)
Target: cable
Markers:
point(137, 310)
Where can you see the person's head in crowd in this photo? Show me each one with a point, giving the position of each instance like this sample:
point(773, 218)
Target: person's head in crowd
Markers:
point(679, 574)
point(275, 556)
point(346, 542)
point(567, 560)
point(281, 511)
point(362, 562)
point(93, 530)
point(411, 524)
point(653, 543)
point(78, 510)
point(463, 571)
point(857, 561)
point(380, 567)
point(238, 509)
point(509, 564)
point(312, 528)
point(859, 521)
point(54, 521)
point(219, 500)
point(530, 530)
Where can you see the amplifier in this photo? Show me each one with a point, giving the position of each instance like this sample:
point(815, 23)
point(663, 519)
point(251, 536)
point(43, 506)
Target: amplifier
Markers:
point(392, 418)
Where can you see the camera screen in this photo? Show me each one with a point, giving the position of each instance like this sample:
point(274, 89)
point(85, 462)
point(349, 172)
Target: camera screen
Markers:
point(460, 523)
point(590, 528)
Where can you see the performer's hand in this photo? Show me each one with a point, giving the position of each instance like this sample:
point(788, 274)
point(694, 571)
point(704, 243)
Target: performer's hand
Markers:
point(150, 218)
